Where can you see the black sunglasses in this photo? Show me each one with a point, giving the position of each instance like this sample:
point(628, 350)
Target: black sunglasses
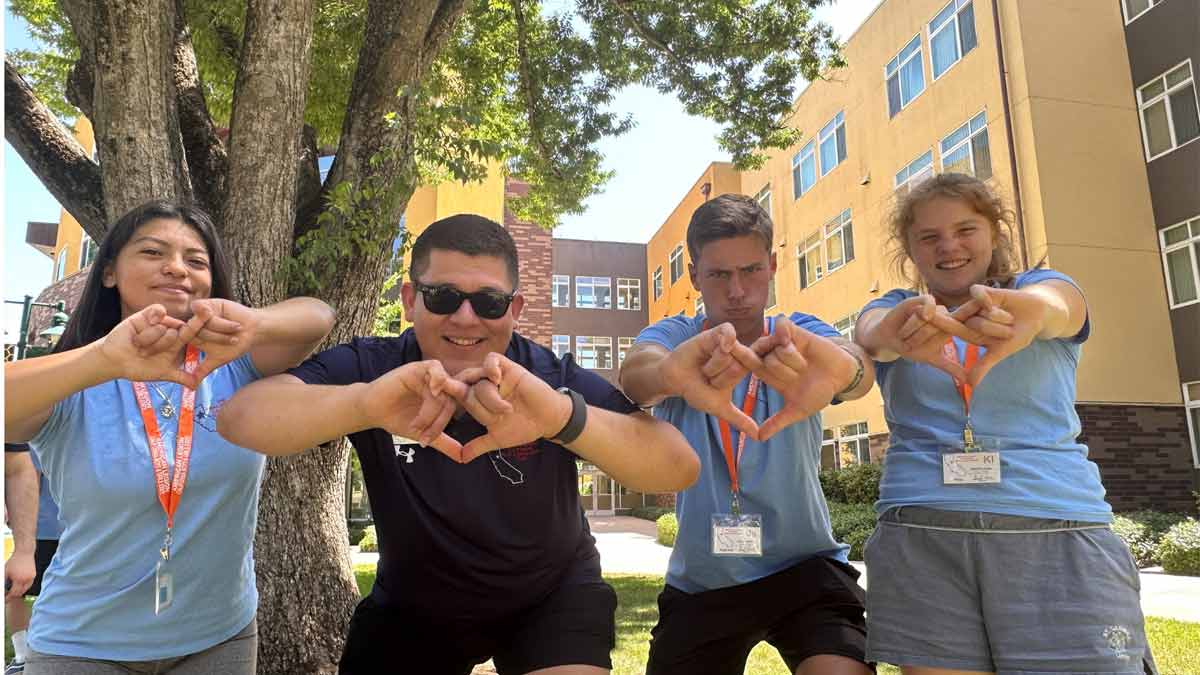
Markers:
point(447, 300)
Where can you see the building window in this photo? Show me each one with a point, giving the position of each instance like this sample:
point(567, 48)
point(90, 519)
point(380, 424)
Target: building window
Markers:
point(839, 241)
point(917, 170)
point(1181, 260)
point(828, 450)
point(811, 269)
point(854, 447)
point(87, 251)
point(699, 305)
point(833, 143)
point(60, 270)
point(624, 344)
point(676, 263)
point(905, 77)
point(1191, 402)
point(1135, 8)
point(845, 325)
point(593, 292)
point(594, 352)
point(1169, 111)
point(562, 290)
point(951, 35)
point(965, 150)
point(629, 293)
point(658, 283)
point(764, 199)
point(771, 293)
point(561, 344)
point(804, 170)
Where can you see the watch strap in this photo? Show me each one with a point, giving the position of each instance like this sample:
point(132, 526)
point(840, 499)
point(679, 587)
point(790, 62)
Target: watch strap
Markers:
point(576, 421)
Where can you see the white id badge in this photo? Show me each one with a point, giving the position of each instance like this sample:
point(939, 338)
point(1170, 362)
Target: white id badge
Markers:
point(164, 587)
point(739, 535)
point(970, 468)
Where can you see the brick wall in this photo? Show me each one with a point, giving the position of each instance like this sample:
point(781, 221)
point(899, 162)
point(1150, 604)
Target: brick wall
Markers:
point(67, 290)
point(1144, 455)
point(535, 253)
point(1143, 452)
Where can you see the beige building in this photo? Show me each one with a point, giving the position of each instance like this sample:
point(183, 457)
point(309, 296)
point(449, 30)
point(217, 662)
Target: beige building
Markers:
point(922, 92)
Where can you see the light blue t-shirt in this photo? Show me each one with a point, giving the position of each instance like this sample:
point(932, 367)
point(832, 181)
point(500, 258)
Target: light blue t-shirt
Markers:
point(97, 597)
point(48, 524)
point(778, 479)
point(1024, 408)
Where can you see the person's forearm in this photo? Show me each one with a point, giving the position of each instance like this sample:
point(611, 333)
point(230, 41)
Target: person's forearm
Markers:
point(21, 500)
point(867, 381)
point(638, 451)
point(867, 335)
point(281, 415)
point(289, 332)
point(33, 386)
point(1065, 308)
point(641, 378)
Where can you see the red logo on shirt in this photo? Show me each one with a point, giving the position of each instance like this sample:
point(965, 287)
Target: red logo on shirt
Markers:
point(521, 453)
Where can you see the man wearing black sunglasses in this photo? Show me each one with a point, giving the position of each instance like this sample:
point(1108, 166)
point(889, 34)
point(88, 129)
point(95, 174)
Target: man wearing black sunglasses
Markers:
point(478, 559)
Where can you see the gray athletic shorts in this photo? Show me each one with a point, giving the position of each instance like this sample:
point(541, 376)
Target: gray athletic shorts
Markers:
point(236, 656)
point(1005, 594)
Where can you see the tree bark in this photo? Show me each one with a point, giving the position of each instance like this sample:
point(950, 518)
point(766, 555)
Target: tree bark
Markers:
point(207, 161)
point(134, 107)
point(51, 151)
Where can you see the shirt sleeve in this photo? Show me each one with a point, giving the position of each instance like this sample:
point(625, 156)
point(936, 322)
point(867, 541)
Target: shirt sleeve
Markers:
point(668, 333)
point(595, 389)
point(336, 365)
point(1037, 276)
point(814, 325)
point(889, 300)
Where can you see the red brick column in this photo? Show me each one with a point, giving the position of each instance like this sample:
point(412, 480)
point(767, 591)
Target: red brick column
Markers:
point(535, 252)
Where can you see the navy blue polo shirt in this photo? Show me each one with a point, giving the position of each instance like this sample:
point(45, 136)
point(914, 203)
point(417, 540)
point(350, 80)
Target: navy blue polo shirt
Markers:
point(478, 541)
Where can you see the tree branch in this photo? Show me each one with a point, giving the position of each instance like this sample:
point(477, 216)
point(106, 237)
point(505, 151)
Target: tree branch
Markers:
point(445, 18)
point(53, 154)
point(648, 36)
point(207, 160)
point(81, 82)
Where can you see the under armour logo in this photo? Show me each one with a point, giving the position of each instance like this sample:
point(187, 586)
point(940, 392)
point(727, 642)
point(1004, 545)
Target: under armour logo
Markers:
point(406, 454)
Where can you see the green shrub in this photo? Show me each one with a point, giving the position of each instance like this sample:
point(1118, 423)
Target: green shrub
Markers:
point(668, 527)
point(356, 530)
point(1179, 549)
point(1143, 530)
point(368, 543)
point(852, 524)
point(855, 484)
point(651, 513)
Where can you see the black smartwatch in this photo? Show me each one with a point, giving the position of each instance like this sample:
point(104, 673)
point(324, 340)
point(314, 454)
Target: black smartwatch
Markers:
point(578, 418)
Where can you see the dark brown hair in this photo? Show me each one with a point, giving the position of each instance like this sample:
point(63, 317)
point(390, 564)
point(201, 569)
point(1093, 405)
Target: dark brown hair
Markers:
point(468, 234)
point(724, 217)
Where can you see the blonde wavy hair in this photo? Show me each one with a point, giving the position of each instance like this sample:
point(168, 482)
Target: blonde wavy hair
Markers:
point(981, 198)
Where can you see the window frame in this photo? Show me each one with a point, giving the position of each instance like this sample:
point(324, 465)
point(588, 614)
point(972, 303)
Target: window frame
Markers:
point(806, 152)
point(907, 182)
point(658, 282)
point(848, 322)
point(1165, 97)
point(930, 33)
point(698, 305)
point(969, 141)
point(1190, 404)
point(1191, 243)
point(843, 221)
point(830, 132)
point(554, 342)
point(554, 284)
point(591, 283)
point(595, 341)
point(765, 194)
point(772, 294)
point(676, 256)
point(60, 265)
point(624, 344)
point(1150, 4)
point(858, 438)
point(623, 283)
point(802, 251)
point(899, 68)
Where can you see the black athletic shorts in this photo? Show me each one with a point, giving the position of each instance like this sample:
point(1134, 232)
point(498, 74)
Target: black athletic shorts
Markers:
point(574, 625)
point(42, 555)
point(815, 607)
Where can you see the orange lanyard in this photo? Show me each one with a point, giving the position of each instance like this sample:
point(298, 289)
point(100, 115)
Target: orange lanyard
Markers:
point(731, 460)
point(170, 489)
point(950, 349)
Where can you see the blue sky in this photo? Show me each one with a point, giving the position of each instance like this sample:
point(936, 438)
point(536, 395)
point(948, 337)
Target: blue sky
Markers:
point(655, 163)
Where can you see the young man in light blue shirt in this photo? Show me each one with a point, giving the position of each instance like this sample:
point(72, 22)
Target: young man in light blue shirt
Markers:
point(755, 558)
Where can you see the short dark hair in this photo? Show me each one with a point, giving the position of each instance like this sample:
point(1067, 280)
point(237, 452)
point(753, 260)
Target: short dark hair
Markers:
point(99, 308)
point(725, 217)
point(469, 234)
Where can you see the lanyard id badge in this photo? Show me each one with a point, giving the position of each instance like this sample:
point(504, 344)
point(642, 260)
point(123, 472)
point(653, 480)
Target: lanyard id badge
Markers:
point(168, 487)
point(969, 462)
point(737, 534)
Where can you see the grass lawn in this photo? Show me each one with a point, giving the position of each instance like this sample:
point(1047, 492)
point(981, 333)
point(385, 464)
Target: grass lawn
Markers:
point(1174, 642)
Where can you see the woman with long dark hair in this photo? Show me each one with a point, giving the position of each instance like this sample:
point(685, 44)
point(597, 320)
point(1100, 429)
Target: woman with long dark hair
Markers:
point(155, 567)
point(993, 551)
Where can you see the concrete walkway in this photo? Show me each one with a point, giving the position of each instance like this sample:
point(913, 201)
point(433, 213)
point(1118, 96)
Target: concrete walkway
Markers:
point(628, 546)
